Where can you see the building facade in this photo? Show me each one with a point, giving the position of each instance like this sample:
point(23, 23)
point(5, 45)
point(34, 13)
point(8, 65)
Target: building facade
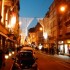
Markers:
point(59, 26)
point(63, 26)
point(8, 11)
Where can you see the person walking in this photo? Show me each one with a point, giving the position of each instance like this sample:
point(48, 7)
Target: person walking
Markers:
point(2, 58)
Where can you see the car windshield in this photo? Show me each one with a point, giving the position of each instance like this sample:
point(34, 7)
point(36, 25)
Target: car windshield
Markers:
point(26, 57)
point(26, 54)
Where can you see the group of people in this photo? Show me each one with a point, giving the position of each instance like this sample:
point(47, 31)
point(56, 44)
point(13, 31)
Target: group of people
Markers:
point(50, 50)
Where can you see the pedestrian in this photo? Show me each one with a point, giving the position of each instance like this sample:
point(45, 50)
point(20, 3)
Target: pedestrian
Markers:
point(52, 50)
point(58, 51)
point(2, 58)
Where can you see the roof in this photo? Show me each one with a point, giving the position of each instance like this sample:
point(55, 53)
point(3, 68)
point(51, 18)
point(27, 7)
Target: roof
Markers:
point(26, 48)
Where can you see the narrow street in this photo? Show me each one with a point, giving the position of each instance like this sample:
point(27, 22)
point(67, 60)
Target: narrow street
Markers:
point(51, 62)
point(41, 24)
point(46, 62)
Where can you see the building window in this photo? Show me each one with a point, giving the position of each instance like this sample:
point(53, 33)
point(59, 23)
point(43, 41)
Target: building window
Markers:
point(68, 29)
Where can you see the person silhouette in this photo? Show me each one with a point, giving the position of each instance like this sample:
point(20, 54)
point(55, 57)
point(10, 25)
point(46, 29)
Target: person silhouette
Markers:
point(1, 52)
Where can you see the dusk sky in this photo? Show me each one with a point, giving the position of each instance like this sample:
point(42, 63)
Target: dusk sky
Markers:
point(33, 9)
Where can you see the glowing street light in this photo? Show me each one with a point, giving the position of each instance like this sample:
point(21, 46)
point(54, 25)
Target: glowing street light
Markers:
point(6, 56)
point(10, 54)
point(13, 52)
point(41, 28)
point(62, 8)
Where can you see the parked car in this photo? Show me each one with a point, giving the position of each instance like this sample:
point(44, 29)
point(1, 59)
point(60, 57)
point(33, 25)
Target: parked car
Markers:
point(28, 49)
point(25, 60)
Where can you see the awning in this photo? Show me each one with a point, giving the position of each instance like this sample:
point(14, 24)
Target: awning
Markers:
point(11, 39)
point(6, 36)
point(3, 35)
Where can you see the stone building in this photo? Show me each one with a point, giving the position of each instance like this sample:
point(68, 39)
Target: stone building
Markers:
point(60, 26)
point(9, 10)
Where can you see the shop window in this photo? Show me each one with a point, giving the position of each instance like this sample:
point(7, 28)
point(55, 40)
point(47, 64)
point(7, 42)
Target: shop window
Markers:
point(61, 49)
point(69, 48)
point(66, 49)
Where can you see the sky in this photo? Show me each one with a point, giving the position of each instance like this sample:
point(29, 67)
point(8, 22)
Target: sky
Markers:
point(32, 9)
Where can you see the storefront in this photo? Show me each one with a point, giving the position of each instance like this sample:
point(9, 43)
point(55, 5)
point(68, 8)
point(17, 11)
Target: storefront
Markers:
point(64, 47)
point(3, 38)
point(6, 42)
point(68, 42)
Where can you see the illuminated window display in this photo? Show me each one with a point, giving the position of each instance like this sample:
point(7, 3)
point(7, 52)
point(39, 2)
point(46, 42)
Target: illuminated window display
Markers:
point(66, 48)
point(61, 49)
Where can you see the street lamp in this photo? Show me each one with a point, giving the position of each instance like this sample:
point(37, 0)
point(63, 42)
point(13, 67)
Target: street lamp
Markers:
point(41, 28)
point(62, 8)
point(6, 56)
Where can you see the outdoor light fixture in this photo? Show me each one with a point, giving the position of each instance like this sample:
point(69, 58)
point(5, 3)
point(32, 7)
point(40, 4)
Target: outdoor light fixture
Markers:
point(41, 28)
point(12, 52)
point(6, 56)
point(62, 8)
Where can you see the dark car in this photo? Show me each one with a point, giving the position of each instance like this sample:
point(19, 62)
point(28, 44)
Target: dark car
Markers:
point(25, 61)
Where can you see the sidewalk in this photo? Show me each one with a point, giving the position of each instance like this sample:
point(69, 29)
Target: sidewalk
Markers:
point(63, 57)
point(8, 63)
